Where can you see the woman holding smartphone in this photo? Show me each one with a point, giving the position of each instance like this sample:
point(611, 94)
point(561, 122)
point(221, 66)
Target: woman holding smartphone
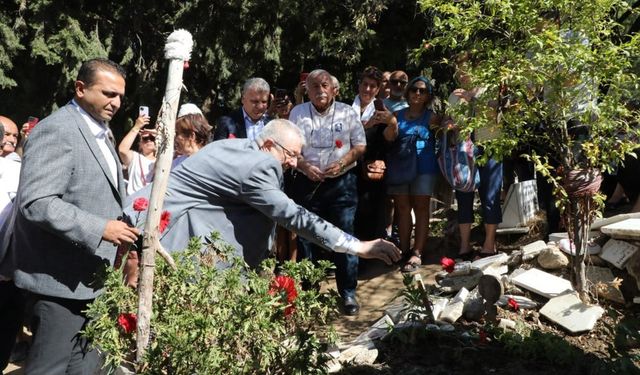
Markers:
point(371, 215)
point(139, 164)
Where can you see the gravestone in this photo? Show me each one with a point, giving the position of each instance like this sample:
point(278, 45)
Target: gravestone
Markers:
point(618, 252)
point(520, 205)
point(542, 283)
point(571, 313)
point(626, 229)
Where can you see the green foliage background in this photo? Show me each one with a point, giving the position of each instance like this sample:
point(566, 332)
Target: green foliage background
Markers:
point(43, 42)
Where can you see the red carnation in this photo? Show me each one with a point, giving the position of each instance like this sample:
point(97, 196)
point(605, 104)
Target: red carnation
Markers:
point(285, 287)
point(231, 136)
point(447, 264)
point(128, 322)
point(140, 204)
point(164, 221)
point(483, 337)
point(338, 143)
point(513, 304)
point(185, 65)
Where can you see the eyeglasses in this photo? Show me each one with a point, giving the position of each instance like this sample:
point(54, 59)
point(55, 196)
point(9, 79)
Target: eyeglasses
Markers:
point(398, 82)
point(419, 90)
point(148, 138)
point(286, 151)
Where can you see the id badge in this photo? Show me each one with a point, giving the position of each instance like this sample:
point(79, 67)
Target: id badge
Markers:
point(322, 138)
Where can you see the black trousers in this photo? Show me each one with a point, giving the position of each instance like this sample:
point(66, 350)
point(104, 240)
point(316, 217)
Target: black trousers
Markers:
point(11, 316)
point(57, 345)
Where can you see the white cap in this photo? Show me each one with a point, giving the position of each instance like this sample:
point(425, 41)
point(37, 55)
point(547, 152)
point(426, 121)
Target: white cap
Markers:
point(189, 109)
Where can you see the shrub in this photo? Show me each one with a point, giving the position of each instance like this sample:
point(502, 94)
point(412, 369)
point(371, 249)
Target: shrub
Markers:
point(214, 315)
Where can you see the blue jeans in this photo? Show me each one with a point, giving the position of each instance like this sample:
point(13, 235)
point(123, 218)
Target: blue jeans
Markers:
point(489, 191)
point(335, 200)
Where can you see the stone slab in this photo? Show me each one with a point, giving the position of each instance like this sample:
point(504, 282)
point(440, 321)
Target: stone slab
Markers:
point(626, 229)
point(397, 311)
point(517, 230)
point(613, 219)
point(449, 284)
point(520, 204)
point(437, 305)
point(532, 250)
point(377, 330)
point(571, 313)
point(568, 247)
point(543, 283)
point(496, 270)
point(555, 237)
point(453, 310)
point(618, 252)
point(483, 263)
point(605, 283)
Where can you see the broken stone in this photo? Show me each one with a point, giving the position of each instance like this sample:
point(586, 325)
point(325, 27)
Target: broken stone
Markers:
point(613, 219)
point(482, 263)
point(542, 283)
point(633, 267)
point(606, 285)
point(377, 330)
point(552, 258)
point(397, 311)
point(515, 259)
point(474, 306)
point(570, 248)
point(618, 252)
point(532, 250)
point(496, 270)
point(523, 302)
point(450, 284)
point(570, 312)
point(453, 310)
point(626, 229)
point(507, 324)
point(437, 305)
point(360, 354)
point(556, 237)
point(461, 269)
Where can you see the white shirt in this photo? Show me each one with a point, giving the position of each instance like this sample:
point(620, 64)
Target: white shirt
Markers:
point(9, 178)
point(99, 130)
point(253, 127)
point(368, 112)
point(140, 172)
point(321, 131)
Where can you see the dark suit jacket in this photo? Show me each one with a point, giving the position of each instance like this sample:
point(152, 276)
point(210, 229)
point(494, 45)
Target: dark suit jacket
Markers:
point(232, 124)
point(66, 196)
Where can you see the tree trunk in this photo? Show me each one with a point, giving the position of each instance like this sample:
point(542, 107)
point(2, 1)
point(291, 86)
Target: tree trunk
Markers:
point(580, 225)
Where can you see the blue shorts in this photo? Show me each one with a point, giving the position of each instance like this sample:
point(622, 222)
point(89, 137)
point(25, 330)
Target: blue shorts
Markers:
point(423, 184)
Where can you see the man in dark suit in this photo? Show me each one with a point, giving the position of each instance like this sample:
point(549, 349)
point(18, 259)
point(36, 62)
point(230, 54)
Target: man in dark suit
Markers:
point(65, 227)
point(250, 119)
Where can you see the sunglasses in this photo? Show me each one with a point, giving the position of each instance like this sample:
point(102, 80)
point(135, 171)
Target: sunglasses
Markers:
point(398, 82)
point(148, 138)
point(419, 90)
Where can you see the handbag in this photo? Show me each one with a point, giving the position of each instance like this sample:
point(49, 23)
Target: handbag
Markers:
point(402, 160)
point(457, 163)
point(373, 170)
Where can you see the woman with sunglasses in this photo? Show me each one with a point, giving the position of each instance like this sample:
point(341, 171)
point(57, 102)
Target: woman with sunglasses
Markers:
point(139, 164)
point(415, 196)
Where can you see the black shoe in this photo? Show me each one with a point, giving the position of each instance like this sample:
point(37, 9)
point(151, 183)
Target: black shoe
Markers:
point(351, 306)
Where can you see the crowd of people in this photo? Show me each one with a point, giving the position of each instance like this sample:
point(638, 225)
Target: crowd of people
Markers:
point(319, 168)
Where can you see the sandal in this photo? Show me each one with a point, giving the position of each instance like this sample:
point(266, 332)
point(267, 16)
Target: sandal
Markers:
point(412, 264)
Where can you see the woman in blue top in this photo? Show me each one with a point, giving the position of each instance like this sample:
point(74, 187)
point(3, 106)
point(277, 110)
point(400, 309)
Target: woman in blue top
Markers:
point(415, 195)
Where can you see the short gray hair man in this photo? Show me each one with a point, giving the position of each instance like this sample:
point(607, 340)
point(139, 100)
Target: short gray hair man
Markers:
point(278, 130)
point(256, 83)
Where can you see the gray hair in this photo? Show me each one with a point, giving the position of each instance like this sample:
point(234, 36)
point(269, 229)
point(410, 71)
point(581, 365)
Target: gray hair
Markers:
point(278, 129)
point(335, 83)
point(256, 83)
point(317, 73)
point(1, 130)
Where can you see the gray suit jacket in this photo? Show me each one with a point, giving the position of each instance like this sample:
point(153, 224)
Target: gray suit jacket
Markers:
point(231, 187)
point(66, 196)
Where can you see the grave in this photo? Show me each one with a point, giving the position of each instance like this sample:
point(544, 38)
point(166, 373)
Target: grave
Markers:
point(628, 229)
point(618, 252)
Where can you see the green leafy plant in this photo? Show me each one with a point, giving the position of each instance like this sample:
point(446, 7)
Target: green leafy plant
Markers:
point(214, 315)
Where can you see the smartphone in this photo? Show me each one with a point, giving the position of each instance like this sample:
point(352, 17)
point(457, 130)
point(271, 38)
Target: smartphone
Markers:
point(32, 122)
point(143, 111)
point(303, 76)
point(378, 104)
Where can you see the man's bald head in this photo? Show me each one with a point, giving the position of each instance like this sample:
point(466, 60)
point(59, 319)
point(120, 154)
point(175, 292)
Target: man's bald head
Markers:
point(10, 136)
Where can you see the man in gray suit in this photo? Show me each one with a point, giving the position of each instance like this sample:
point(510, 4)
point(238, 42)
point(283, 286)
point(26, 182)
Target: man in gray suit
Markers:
point(65, 223)
point(234, 187)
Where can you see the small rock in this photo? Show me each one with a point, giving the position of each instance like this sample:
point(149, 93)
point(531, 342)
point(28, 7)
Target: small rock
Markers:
point(552, 258)
point(515, 259)
point(532, 250)
point(453, 284)
point(507, 324)
point(474, 306)
point(361, 354)
point(454, 308)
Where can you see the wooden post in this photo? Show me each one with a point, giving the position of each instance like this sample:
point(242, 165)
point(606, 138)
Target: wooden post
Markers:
point(177, 51)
